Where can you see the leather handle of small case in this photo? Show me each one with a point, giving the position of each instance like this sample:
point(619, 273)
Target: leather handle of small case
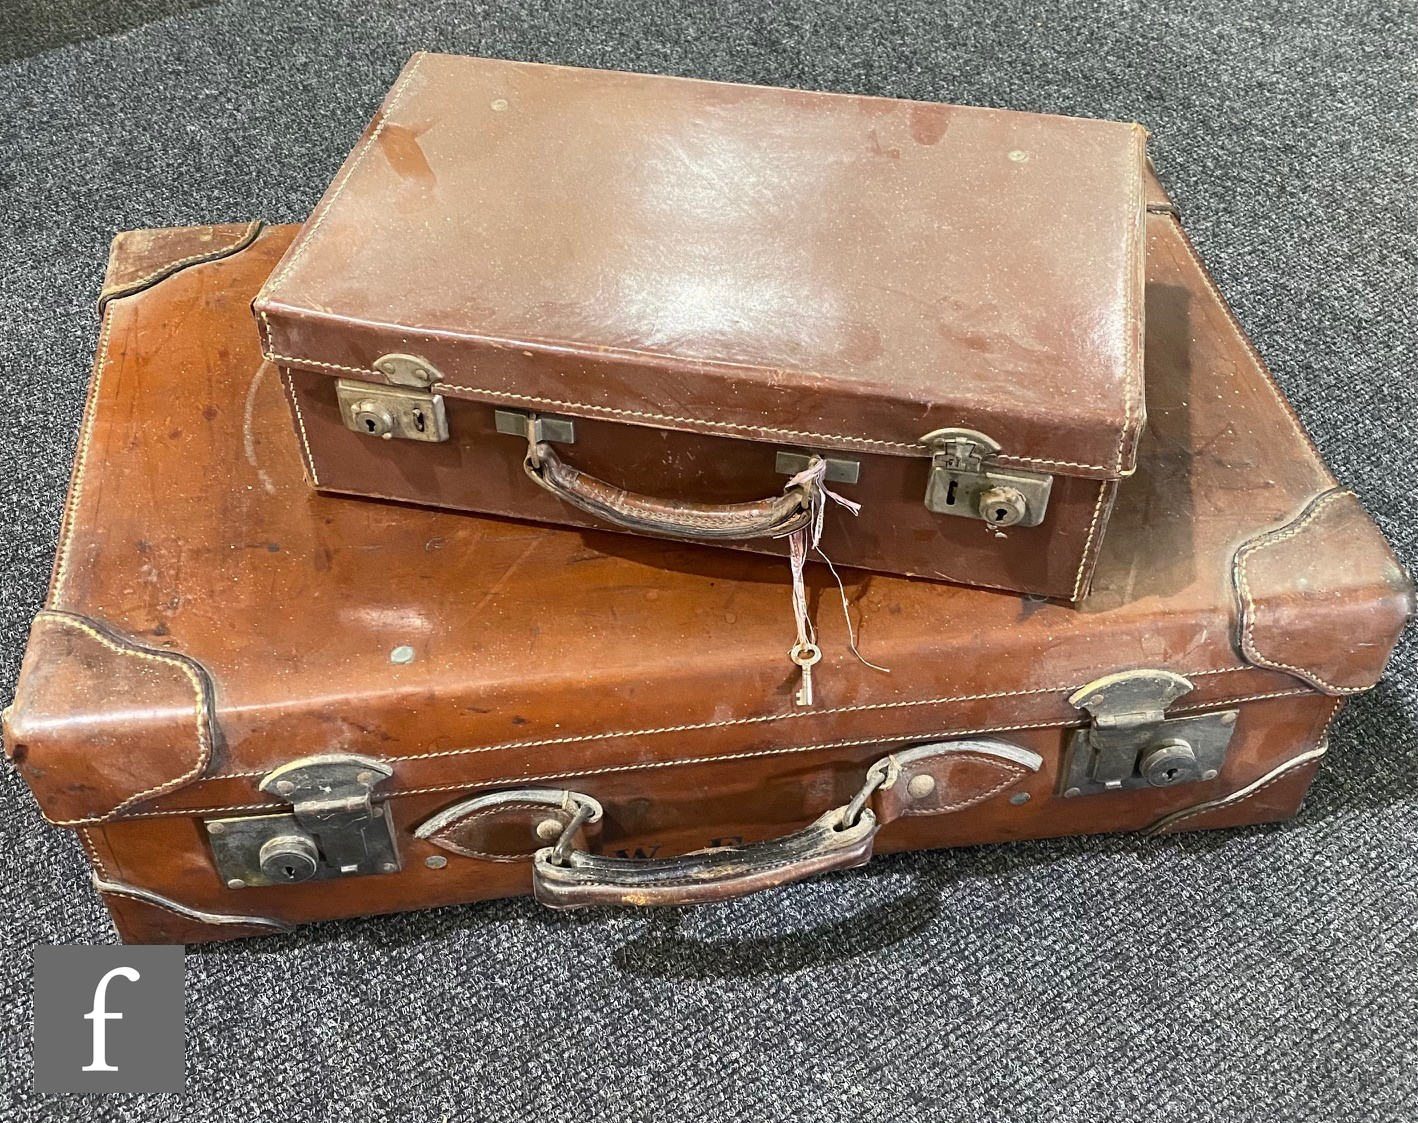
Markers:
point(929, 779)
point(764, 518)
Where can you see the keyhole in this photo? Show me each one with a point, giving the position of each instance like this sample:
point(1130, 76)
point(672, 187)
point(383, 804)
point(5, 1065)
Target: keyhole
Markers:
point(1000, 514)
point(1170, 775)
point(290, 872)
point(950, 493)
point(369, 424)
point(419, 422)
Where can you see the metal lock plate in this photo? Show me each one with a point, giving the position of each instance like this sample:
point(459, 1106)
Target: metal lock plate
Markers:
point(333, 829)
point(964, 482)
point(1131, 743)
point(392, 412)
point(540, 427)
point(789, 462)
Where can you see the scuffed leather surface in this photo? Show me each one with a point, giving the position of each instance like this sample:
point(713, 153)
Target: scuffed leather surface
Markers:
point(961, 781)
point(293, 602)
point(479, 469)
point(100, 722)
point(1301, 586)
point(722, 258)
point(139, 258)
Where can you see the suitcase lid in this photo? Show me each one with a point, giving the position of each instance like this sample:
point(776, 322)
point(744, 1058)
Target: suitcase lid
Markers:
point(212, 619)
point(824, 270)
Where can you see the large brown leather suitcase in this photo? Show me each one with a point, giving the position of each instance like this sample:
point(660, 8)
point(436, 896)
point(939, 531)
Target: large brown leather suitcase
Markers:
point(259, 706)
point(648, 303)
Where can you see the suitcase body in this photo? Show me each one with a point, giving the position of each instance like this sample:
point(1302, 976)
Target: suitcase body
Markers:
point(645, 303)
point(259, 706)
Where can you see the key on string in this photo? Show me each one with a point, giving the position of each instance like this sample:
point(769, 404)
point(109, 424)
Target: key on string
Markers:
point(805, 655)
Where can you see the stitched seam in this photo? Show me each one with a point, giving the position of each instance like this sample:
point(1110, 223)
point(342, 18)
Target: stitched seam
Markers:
point(308, 236)
point(173, 266)
point(300, 427)
point(199, 715)
point(1088, 542)
point(76, 492)
point(764, 718)
point(1309, 755)
point(1008, 782)
point(757, 719)
point(1243, 557)
point(501, 808)
point(584, 407)
point(1133, 387)
point(93, 853)
point(474, 785)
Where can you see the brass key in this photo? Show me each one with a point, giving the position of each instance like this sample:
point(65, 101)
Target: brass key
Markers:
point(805, 655)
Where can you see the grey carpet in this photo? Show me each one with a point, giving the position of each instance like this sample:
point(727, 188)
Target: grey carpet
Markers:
point(1263, 974)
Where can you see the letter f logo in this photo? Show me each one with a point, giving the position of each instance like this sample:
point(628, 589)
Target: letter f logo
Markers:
point(100, 1016)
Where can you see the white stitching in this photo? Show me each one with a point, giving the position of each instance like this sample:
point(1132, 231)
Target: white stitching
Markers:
point(474, 785)
point(172, 266)
point(199, 713)
point(94, 854)
point(76, 490)
point(757, 719)
point(1015, 774)
point(1078, 581)
point(308, 233)
point(463, 820)
point(584, 407)
point(1243, 556)
point(1131, 320)
point(300, 426)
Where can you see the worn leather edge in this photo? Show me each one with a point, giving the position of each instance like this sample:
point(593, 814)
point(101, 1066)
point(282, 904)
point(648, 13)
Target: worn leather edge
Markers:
point(1165, 824)
point(707, 426)
point(567, 774)
point(115, 292)
point(188, 912)
point(1247, 605)
point(1131, 428)
point(205, 732)
point(1156, 196)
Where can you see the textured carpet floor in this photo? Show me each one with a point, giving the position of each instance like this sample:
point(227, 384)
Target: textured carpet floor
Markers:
point(1265, 974)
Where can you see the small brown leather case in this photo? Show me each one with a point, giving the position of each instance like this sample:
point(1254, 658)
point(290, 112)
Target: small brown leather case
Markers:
point(259, 706)
point(646, 303)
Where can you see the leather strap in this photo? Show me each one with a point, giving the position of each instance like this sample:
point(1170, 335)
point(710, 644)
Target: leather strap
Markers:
point(931, 779)
point(764, 518)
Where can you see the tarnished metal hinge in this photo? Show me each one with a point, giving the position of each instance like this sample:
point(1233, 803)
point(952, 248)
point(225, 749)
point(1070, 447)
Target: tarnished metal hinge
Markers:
point(964, 481)
point(334, 828)
point(538, 427)
point(1132, 743)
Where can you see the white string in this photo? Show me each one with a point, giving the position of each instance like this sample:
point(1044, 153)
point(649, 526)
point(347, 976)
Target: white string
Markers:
point(808, 538)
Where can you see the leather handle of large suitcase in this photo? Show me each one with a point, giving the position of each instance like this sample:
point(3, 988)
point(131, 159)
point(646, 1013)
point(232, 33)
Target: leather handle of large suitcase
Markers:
point(672, 518)
point(934, 779)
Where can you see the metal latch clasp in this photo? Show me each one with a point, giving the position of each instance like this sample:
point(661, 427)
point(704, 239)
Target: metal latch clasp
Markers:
point(334, 828)
point(1132, 743)
point(965, 481)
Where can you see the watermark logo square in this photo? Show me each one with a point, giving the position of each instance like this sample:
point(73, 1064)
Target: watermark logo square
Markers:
point(109, 1018)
